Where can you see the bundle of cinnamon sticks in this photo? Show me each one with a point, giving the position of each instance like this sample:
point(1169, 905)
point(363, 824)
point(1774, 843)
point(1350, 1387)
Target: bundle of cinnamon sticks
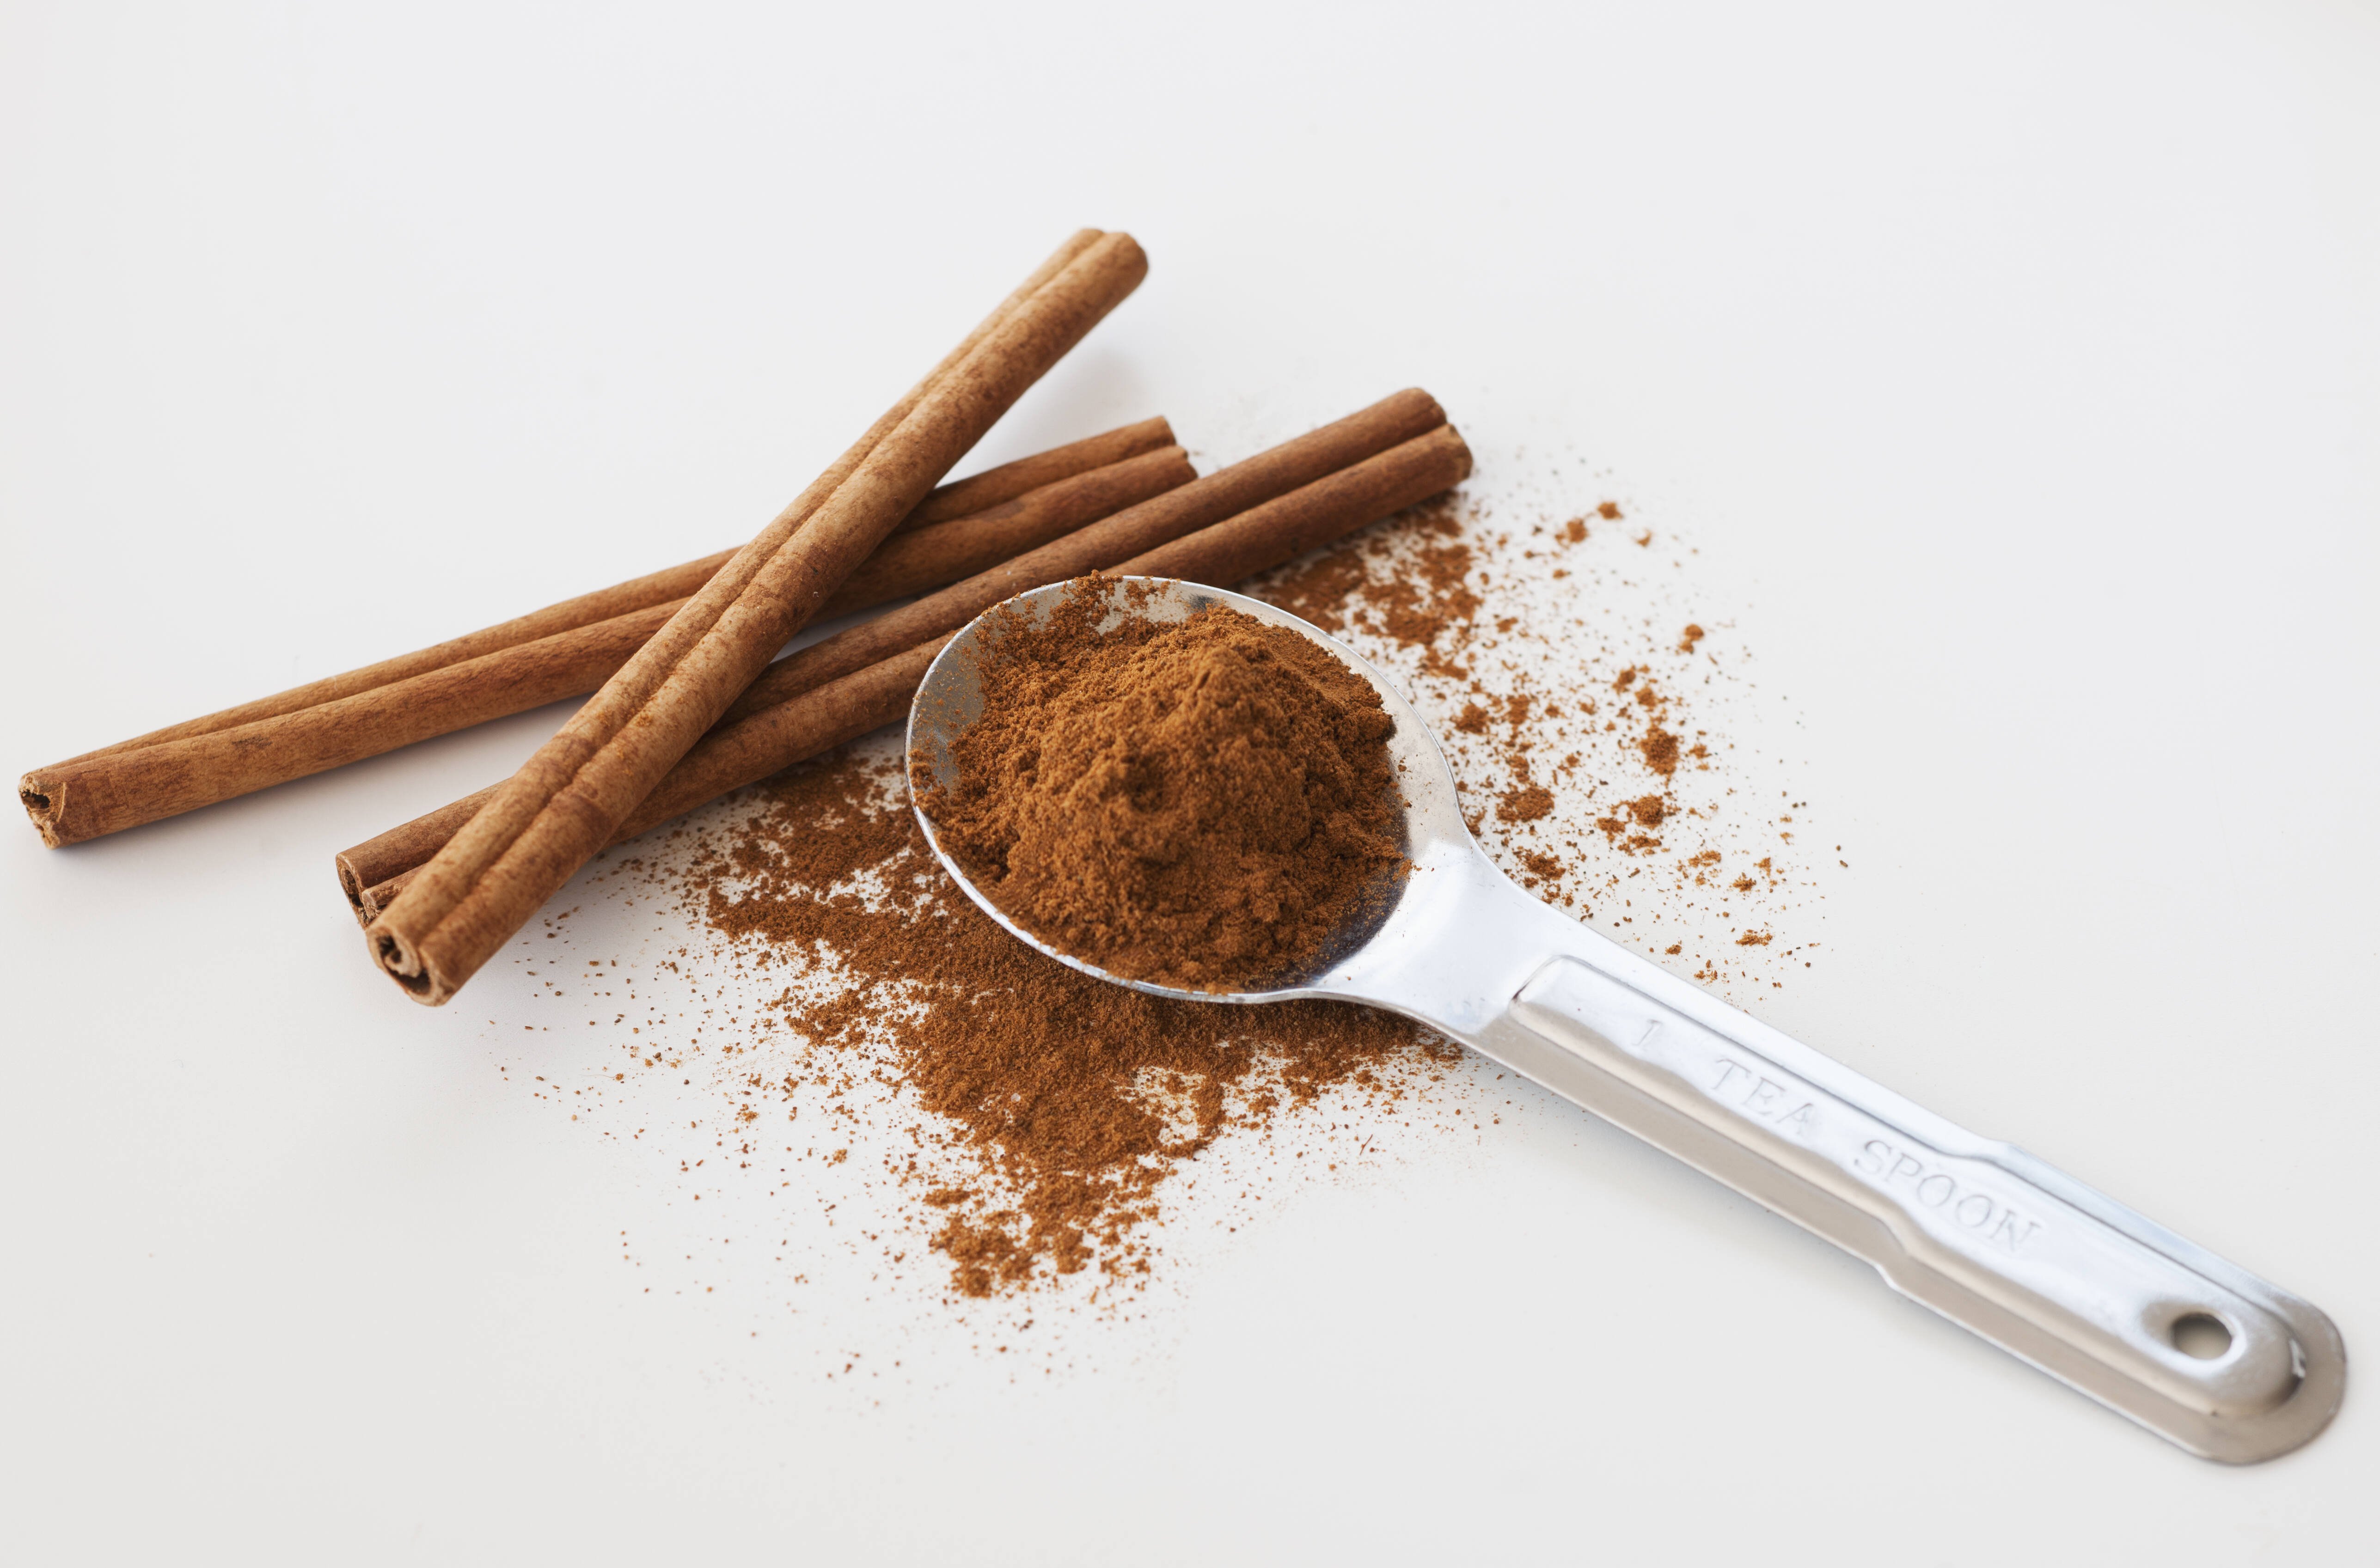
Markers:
point(686, 703)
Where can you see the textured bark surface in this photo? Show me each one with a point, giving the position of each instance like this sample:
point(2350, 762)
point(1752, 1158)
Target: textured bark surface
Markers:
point(929, 558)
point(811, 712)
point(436, 691)
point(564, 803)
point(964, 498)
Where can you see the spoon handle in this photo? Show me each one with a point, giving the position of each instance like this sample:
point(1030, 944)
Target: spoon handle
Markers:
point(2194, 1347)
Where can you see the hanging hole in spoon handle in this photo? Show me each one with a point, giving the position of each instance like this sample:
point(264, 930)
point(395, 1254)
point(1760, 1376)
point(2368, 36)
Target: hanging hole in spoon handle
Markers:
point(2203, 1335)
point(2180, 1339)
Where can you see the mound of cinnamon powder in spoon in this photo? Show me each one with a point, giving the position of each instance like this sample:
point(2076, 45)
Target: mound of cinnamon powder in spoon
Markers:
point(1201, 803)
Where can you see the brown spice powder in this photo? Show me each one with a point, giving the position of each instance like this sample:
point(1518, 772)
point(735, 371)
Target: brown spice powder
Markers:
point(1365, 579)
point(1527, 803)
point(1200, 804)
point(1074, 1099)
point(1659, 746)
point(1427, 602)
point(1061, 1107)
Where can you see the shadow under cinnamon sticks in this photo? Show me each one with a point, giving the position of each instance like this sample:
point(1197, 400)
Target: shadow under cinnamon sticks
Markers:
point(1222, 528)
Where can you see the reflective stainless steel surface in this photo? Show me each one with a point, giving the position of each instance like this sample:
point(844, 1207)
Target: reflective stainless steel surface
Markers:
point(2194, 1347)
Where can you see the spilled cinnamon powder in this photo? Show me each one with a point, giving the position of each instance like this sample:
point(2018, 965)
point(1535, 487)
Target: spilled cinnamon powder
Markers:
point(1659, 746)
point(1201, 804)
point(1558, 766)
point(1069, 1100)
point(929, 1112)
point(1426, 603)
point(1525, 803)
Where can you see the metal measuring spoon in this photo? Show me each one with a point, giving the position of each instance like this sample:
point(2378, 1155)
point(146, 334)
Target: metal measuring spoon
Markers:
point(2193, 1348)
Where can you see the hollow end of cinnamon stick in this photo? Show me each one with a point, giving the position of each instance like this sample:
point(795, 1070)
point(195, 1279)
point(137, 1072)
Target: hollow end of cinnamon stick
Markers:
point(359, 893)
point(402, 964)
point(43, 803)
point(374, 872)
point(380, 895)
point(349, 884)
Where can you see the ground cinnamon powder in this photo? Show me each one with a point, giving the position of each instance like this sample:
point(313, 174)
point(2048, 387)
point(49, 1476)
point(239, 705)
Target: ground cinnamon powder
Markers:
point(1058, 1108)
point(1200, 804)
point(1073, 1099)
point(1432, 588)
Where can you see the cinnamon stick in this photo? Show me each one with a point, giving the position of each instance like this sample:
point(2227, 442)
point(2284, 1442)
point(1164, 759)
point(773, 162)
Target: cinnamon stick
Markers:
point(127, 785)
point(374, 872)
point(1203, 502)
point(804, 721)
point(1262, 537)
point(565, 802)
point(978, 492)
point(918, 559)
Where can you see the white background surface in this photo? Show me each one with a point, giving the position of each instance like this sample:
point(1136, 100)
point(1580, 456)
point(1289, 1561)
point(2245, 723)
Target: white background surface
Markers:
point(2021, 363)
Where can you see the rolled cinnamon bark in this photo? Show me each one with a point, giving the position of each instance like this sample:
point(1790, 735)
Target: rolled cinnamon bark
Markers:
point(567, 800)
point(918, 559)
point(978, 493)
point(731, 756)
point(806, 720)
point(1203, 502)
point(1262, 537)
point(373, 873)
point(124, 786)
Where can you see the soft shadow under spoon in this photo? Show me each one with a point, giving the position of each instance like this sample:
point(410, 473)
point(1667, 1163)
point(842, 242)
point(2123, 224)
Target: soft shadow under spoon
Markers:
point(2193, 1348)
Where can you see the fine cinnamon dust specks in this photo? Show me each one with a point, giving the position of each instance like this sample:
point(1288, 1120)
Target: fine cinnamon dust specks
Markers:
point(872, 1108)
point(1589, 720)
point(1524, 803)
point(1658, 746)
